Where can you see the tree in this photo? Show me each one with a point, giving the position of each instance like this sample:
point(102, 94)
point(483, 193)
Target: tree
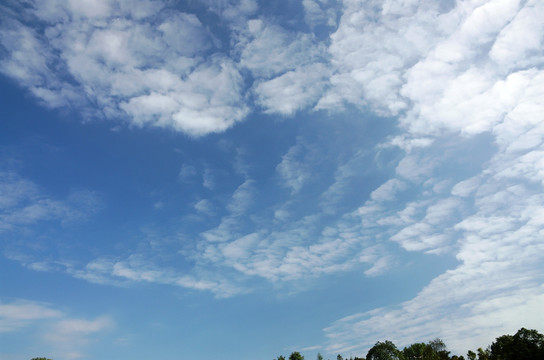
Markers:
point(296, 356)
point(40, 358)
point(471, 355)
point(383, 351)
point(483, 354)
point(455, 357)
point(339, 357)
point(436, 350)
point(319, 356)
point(281, 357)
point(524, 345)
point(414, 352)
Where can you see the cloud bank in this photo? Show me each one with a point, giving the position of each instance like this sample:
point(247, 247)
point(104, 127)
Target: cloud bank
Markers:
point(463, 79)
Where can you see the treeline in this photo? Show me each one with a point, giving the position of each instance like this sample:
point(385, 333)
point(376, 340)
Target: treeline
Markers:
point(524, 345)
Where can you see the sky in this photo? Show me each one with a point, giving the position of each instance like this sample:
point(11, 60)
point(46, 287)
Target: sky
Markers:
point(240, 179)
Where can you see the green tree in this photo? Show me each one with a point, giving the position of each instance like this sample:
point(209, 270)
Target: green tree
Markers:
point(281, 357)
point(319, 356)
point(383, 351)
point(40, 358)
point(524, 345)
point(483, 354)
point(296, 356)
point(339, 357)
point(436, 350)
point(455, 357)
point(414, 352)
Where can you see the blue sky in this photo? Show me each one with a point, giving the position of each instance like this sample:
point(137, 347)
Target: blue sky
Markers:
point(243, 179)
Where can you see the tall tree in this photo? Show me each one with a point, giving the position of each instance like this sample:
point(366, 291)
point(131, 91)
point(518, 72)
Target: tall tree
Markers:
point(524, 345)
point(483, 354)
point(414, 352)
point(296, 356)
point(383, 351)
point(436, 350)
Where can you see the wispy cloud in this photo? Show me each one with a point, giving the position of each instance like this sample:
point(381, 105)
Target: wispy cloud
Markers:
point(19, 314)
point(65, 337)
point(23, 203)
point(295, 165)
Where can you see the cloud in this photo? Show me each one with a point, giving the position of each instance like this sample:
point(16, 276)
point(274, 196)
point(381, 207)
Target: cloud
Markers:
point(292, 50)
point(388, 190)
point(136, 62)
point(20, 313)
point(235, 11)
point(295, 165)
point(208, 179)
point(187, 172)
point(458, 83)
point(344, 177)
point(204, 206)
point(320, 12)
point(464, 80)
point(23, 203)
point(65, 337)
point(290, 78)
point(294, 90)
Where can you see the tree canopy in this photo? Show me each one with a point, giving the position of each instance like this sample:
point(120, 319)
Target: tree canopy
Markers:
point(524, 345)
point(383, 351)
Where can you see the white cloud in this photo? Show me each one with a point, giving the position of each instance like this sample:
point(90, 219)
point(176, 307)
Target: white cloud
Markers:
point(344, 175)
point(23, 203)
point(293, 90)
point(70, 337)
point(208, 179)
point(19, 314)
point(388, 190)
point(319, 12)
point(143, 268)
point(204, 206)
point(65, 337)
point(65, 330)
point(295, 165)
point(134, 62)
point(187, 172)
point(291, 50)
point(235, 11)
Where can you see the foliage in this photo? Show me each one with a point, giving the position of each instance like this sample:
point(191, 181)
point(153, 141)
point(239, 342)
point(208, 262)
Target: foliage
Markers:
point(483, 354)
point(414, 351)
point(383, 351)
point(296, 356)
point(524, 345)
point(40, 358)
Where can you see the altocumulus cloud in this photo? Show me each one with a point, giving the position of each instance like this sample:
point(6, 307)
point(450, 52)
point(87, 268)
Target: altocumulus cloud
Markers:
point(135, 60)
point(464, 79)
point(451, 74)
